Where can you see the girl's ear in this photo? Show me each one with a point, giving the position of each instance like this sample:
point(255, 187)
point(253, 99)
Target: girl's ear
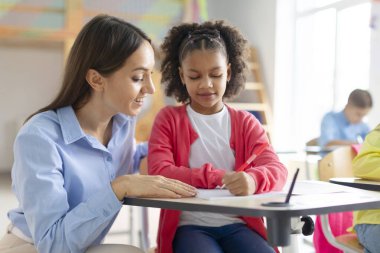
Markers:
point(95, 80)
point(181, 75)
point(228, 72)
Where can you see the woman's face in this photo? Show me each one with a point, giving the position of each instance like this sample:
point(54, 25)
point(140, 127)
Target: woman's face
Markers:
point(126, 88)
point(205, 74)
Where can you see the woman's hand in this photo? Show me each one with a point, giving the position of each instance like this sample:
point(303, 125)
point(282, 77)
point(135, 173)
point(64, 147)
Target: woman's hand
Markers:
point(239, 183)
point(151, 187)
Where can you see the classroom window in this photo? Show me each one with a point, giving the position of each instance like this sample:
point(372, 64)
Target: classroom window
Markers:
point(332, 56)
point(306, 5)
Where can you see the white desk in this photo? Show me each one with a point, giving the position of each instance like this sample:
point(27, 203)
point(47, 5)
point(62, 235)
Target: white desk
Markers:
point(357, 183)
point(319, 150)
point(278, 218)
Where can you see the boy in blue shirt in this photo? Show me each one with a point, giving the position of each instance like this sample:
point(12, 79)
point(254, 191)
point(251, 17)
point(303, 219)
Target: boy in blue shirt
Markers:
point(346, 127)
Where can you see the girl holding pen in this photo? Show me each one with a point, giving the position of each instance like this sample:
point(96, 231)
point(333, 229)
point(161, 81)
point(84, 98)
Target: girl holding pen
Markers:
point(204, 142)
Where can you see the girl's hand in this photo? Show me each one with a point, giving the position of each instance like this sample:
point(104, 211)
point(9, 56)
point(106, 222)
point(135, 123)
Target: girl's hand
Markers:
point(151, 187)
point(239, 183)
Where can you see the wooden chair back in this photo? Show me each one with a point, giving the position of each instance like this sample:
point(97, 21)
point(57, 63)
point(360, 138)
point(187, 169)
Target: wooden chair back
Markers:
point(312, 142)
point(337, 163)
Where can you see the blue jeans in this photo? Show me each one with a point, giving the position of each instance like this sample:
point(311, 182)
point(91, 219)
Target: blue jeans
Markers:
point(369, 237)
point(225, 239)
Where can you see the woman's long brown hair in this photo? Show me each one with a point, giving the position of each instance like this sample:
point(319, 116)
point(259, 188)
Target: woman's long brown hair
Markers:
point(103, 44)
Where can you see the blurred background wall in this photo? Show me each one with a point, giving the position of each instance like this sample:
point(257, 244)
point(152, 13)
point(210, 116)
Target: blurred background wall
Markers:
point(36, 35)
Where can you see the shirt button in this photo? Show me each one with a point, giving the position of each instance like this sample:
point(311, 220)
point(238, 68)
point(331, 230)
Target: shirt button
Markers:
point(109, 158)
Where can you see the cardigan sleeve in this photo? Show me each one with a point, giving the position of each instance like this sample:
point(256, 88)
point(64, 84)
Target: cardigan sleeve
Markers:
point(267, 170)
point(169, 147)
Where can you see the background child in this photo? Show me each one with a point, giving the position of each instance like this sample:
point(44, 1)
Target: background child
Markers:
point(367, 165)
point(347, 127)
point(203, 141)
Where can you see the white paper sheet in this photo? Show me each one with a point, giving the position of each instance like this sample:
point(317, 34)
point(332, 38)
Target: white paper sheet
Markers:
point(300, 188)
point(214, 194)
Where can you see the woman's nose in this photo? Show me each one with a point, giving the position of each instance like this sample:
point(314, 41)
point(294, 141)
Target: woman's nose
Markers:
point(149, 86)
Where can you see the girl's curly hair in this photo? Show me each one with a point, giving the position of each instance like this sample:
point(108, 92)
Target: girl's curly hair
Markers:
point(187, 37)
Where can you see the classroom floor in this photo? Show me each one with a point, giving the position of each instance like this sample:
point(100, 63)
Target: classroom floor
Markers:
point(119, 232)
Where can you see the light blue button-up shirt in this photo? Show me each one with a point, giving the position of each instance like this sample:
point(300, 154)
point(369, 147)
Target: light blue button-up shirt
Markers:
point(61, 177)
point(335, 126)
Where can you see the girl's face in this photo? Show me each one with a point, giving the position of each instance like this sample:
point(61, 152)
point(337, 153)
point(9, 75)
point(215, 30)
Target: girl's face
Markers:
point(125, 89)
point(205, 74)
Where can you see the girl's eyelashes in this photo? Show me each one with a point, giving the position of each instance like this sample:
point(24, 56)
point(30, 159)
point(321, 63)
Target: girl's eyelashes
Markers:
point(212, 76)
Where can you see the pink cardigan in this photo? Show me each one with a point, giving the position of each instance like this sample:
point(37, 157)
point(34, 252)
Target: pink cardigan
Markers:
point(169, 149)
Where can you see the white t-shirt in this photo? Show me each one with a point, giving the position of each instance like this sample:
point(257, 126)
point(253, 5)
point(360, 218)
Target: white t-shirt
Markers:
point(212, 146)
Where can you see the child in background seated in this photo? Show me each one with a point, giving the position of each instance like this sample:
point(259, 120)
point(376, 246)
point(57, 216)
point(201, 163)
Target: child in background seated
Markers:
point(204, 141)
point(367, 165)
point(347, 127)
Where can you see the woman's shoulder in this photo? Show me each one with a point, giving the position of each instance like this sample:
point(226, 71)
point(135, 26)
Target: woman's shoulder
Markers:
point(43, 123)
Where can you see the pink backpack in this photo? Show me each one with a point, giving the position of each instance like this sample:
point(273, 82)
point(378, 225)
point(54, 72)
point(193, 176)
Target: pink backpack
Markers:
point(339, 223)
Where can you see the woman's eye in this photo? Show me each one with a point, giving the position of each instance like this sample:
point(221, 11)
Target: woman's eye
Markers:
point(217, 76)
point(138, 79)
point(193, 77)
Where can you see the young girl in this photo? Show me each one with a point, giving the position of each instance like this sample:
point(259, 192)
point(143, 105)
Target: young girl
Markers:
point(203, 141)
point(367, 165)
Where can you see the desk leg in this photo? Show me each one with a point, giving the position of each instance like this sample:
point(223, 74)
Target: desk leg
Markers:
point(307, 167)
point(278, 231)
point(293, 247)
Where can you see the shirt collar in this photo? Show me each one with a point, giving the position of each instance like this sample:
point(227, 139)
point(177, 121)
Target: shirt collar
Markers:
point(71, 129)
point(120, 119)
